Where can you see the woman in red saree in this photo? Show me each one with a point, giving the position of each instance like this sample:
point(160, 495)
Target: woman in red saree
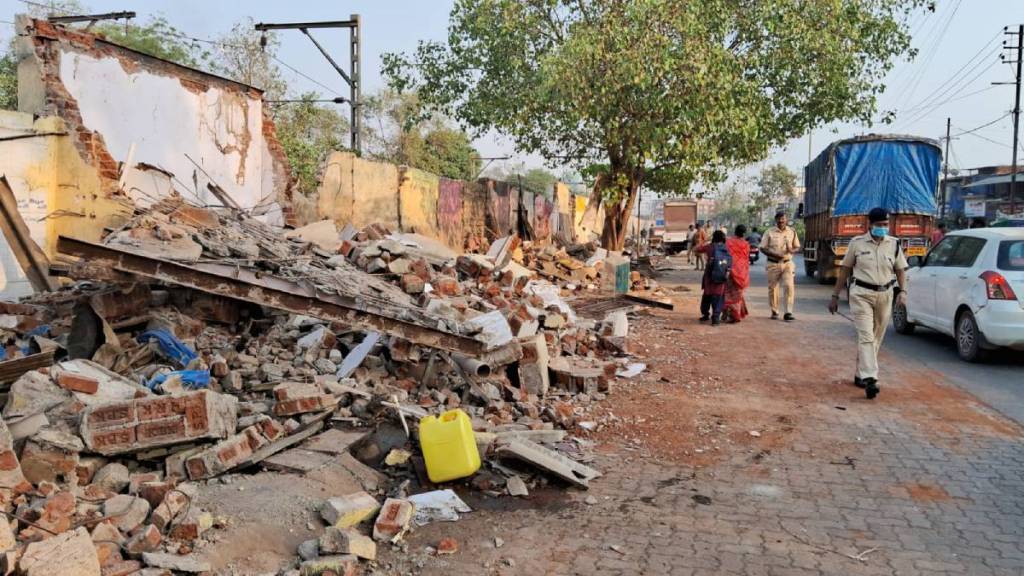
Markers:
point(735, 305)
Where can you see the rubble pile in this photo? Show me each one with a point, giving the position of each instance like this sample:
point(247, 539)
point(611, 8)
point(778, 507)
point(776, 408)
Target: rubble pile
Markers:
point(195, 342)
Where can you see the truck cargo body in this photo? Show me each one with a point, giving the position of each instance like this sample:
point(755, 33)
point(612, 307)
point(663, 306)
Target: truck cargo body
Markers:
point(679, 216)
point(850, 177)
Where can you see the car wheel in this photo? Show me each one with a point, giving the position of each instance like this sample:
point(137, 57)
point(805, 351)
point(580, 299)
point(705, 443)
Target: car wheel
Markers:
point(968, 338)
point(900, 321)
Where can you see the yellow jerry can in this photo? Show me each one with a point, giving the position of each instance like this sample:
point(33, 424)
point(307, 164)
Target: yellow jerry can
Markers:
point(449, 448)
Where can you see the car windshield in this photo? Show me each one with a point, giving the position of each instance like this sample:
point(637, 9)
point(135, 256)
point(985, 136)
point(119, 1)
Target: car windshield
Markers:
point(1011, 255)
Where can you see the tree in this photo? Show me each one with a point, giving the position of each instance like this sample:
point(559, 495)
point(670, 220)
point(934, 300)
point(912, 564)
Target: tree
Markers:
point(398, 132)
point(8, 61)
point(536, 180)
point(732, 206)
point(676, 88)
point(308, 132)
point(775, 183)
point(247, 56)
point(157, 37)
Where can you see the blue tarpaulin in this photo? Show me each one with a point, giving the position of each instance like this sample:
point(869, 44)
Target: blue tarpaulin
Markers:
point(169, 345)
point(190, 379)
point(900, 176)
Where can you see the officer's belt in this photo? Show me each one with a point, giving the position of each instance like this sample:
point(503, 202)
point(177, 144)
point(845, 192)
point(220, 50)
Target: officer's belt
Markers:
point(874, 287)
point(777, 260)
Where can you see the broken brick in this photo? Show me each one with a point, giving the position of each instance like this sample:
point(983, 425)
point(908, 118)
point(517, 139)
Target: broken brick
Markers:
point(349, 510)
point(347, 541)
point(77, 382)
point(393, 520)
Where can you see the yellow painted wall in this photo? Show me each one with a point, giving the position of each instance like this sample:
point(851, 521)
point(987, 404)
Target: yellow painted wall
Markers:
point(57, 193)
point(358, 192)
point(417, 194)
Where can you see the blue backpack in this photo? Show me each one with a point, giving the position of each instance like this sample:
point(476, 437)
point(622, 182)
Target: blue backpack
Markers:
point(720, 263)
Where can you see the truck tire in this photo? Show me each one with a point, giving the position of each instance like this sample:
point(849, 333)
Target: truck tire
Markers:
point(808, 268)
point(824, 267)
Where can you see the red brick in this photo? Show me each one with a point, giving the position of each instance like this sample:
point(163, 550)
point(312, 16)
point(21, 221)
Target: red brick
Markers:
point(78, 383)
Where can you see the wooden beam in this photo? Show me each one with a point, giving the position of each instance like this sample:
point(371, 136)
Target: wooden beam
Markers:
point(31, 258)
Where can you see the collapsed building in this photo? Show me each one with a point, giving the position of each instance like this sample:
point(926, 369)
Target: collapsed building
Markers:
point(178, 324)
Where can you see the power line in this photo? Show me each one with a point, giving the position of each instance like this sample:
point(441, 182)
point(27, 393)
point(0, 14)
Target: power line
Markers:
point(915, 79)
point(953, 99)
point(918, 116)
point(955, 79)
point(986, 138)
point(985, 125)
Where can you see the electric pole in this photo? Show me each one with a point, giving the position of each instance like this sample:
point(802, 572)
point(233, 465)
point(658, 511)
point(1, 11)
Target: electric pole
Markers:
point(353, 78)
point(945, 174)
point(1016, 110)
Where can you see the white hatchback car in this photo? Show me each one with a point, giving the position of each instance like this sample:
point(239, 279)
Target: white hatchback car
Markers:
point(969, 286)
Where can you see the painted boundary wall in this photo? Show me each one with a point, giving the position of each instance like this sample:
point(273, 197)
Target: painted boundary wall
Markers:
point(459, 213)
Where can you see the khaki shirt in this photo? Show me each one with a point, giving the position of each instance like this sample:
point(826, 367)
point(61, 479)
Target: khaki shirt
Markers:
point(781, 242)
point(874, 262)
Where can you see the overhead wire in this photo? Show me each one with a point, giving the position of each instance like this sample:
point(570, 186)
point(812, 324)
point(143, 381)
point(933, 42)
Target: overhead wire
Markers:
point(929, 54)
point(920, 115)
point(985, 125)
point(934, 49)
point(955, 78)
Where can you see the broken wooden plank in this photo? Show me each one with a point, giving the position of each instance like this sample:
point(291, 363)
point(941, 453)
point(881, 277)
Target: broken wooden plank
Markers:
point(28, 254)
point(548, 460)
point(273, 292)
point(11, 370)
point(653, 302)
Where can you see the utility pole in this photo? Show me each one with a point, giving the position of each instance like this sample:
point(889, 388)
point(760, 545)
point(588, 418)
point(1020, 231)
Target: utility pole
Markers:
point(1016, 110)
point(353, 78)
point(945, 173)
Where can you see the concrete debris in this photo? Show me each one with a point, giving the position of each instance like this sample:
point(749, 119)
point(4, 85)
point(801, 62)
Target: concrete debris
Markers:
point(393, 521)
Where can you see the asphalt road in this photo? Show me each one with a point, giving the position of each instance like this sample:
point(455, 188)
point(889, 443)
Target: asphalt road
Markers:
point(998, 382)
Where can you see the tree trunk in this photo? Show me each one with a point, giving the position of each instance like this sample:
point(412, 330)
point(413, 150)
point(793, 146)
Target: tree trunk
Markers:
point(617, 215)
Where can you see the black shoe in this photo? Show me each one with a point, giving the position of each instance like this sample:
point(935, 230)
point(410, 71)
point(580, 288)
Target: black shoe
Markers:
point(705, 318)
point(775, 315)
point(715, 322)
point(788, 317)
point(858, 382)
point(871, 388)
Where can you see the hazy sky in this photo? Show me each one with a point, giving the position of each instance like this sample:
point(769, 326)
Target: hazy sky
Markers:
point(943, 81)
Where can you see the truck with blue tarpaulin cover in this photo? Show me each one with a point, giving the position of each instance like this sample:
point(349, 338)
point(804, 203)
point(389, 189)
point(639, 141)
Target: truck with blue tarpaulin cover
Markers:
point(852, 176)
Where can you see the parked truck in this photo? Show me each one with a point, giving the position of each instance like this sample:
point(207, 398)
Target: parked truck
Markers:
point(852, 176)
point(679, 216)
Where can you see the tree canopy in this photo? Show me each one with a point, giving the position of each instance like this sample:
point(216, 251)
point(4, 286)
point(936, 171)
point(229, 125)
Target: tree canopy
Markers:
point(674, 91)
point(774, 184)
point(398, 132)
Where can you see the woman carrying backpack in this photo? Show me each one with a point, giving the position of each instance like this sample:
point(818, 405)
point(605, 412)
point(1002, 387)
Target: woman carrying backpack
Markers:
point(716, 274)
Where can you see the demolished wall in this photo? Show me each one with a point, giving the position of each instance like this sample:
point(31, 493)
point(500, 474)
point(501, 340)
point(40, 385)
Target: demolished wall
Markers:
point(124, 107)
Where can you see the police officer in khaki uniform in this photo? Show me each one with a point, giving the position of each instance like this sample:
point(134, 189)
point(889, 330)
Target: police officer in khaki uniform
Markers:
point(871, 260)
point(778, 245)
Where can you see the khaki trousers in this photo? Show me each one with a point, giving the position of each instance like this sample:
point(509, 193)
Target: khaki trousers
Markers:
point(871, 311)
point(783, 273)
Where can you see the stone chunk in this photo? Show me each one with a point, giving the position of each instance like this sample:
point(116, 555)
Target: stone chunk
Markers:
point(145, 540)
point(11, 475)
point(127, 512)
point(347, 541)
point(113, 477)
point(189, 564)
point(133, 425)
point(68, 554)
point(350, 510)
point(533, 366)
point(393, 520)
point(330, 566)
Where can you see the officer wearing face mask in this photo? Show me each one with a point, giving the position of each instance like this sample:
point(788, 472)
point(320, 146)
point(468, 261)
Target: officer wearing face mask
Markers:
point(875, 263)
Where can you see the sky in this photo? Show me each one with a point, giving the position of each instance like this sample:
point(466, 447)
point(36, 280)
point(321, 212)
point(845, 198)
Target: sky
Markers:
point(951, 77)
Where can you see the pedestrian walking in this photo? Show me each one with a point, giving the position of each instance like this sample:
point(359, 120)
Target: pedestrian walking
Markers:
point(872, 260)
point(716, 275)
point(689, 244)
point(779, 244)
point(739, 278)
point(700, 238)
